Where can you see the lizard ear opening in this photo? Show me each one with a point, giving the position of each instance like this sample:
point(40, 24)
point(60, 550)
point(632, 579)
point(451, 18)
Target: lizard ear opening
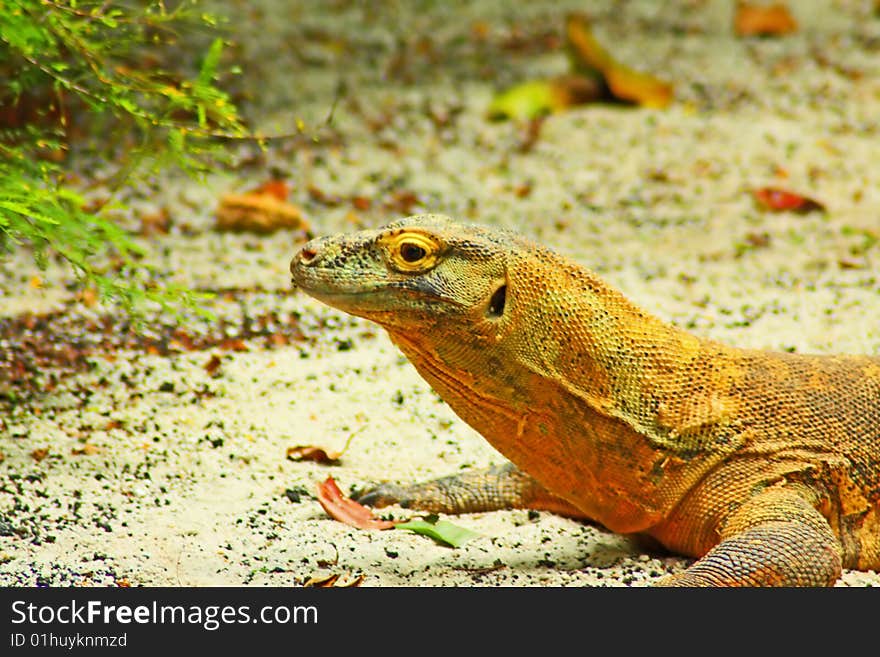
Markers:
point(497, 302)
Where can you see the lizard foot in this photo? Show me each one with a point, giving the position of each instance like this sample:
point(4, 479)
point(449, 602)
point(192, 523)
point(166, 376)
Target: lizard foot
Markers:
point(492, 489)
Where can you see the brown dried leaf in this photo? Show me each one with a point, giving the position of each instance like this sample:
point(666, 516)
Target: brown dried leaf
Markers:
point(640, 88)
point(313, 453)
point(213, 365)
point(89, 297)
point(852, 262)
point(626, 84)
point(402, 202)
point(261, 210)
point(346, 510)
point(758, 240)
point(318, 195)
point(321, 582)
point(86, 450)
point(757, 20)
point(234, 344)
point(333, 581)
point(357, 581)
point(40, 453)
point(153, 223)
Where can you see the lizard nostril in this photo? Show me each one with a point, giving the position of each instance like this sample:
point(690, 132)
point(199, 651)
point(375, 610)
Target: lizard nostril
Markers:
point(307, 255)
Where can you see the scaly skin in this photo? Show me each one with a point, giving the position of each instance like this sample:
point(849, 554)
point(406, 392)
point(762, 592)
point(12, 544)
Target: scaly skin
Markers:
point(765, 466)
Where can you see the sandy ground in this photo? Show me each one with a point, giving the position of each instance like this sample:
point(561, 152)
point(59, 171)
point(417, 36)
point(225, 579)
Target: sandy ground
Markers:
point(186, 482)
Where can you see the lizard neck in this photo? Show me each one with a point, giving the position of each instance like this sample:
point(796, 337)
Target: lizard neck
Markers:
point(583, 389)
point(570, 394)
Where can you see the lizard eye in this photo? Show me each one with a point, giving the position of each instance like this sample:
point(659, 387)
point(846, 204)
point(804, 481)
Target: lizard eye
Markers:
point(412, 253)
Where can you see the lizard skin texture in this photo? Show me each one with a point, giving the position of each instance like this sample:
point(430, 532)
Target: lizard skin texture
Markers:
point(764, 466)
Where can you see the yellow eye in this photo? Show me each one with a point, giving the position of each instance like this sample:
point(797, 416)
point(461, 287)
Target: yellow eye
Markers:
point(411, 251)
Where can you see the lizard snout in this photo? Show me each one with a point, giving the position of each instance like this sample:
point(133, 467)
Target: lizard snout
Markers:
point(306, 255)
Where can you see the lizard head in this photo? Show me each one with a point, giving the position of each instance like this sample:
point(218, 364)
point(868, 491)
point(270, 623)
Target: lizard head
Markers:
point(417, 271)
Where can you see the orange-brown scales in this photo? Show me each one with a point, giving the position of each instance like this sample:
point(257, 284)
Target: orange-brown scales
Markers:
point(764, 465)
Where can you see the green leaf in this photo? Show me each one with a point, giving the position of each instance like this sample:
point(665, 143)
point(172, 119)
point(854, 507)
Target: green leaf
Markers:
point(525, 101)
point(210, 63)
point(441, 530)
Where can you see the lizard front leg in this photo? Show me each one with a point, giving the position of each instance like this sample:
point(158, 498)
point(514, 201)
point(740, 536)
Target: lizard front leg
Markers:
point(776, 538)
point(492, 489)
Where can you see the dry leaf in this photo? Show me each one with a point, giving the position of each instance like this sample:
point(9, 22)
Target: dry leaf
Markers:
point(261, 210)
point(758, 240)
point(213, 365)
point(320, 196)
point(330, 581)
point(781, 200)
point(361, 203)
point(640, 88)
point(40, 453)
point(585, 53)
point(346, 509)
point(234, 344)
point(89, 297)
point(321, 582)
point(86, 450)
point(313, 453)
point(357, 581)
point(625, 84)
point(258, 213)
point(276, 188)
point(153, 223)
point(852, 262)
point(320, 454)
point(596, 77)
point(757, 20)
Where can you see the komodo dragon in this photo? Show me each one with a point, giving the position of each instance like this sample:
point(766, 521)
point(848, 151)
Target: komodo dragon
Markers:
point(765, 466)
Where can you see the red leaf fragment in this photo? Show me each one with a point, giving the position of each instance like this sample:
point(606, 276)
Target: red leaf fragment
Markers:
point(346, 510)
point(274, 187)
point(781, 200)
point(361, 203)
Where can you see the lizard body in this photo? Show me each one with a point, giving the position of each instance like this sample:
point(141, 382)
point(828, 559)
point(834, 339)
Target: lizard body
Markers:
point(764, 465)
